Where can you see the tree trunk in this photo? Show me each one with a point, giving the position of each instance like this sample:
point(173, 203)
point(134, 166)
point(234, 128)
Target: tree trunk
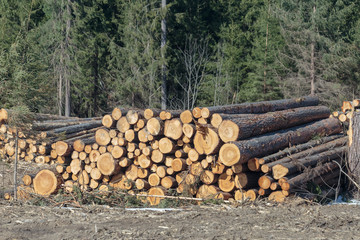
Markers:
point(354, 148)
point(73, 129)
point(242, 151)
point(309, 152)
point(297, 148)
point(163, 67)
point(303, 178)
point(266, 106)
point(46, 126)
point(282, 170)
point(242, 128)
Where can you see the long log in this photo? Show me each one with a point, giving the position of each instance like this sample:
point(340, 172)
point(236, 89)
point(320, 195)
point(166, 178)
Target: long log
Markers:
point(266, 106)
point(297, 148)
point(309, 152)
point(309, 175)
point(73, 128)
point(281, 170)
point(218, 118)
point(46, 126)
point(242, 151)
point(242, 128)
point(74, 136)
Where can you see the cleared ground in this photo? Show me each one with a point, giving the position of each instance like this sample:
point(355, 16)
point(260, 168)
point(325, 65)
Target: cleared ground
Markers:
point(295, 220)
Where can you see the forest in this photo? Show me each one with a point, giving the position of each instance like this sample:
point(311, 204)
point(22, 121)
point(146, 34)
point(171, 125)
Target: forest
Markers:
point(85, 57)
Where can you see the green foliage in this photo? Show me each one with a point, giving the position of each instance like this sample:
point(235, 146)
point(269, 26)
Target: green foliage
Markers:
point(20, 116)
point(108, 53)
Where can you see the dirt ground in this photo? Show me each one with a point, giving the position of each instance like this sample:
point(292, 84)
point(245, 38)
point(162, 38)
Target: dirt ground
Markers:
point(296, 220)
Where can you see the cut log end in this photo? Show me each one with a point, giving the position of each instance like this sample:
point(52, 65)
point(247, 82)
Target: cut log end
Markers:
point(186, 117)
point(46, 182)
point(205, 112)
point(116, 114)
point(102, 137)
point(279, 171)
point(229, 154)
point(106, 164)
point(108, 121)
point(196, 112)
point(228, 131)
point(154, 126)
point(173, 129)
point(156, 191)
point(216, 120)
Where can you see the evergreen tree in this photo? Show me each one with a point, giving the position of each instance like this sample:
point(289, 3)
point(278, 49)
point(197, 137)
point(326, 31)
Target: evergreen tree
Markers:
point(93, 30)
point(22, 71)
point(136, 60)
point(261, 82)
point(316, 46)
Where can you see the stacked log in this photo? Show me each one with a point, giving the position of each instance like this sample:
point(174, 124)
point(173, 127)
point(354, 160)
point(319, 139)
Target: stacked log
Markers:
point(35, 144)
point(214, 152)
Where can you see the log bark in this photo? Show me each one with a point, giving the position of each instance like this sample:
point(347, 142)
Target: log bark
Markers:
point(281, 170)
point(242, 151)
point(73, 129)
point(309, 152)
point(354, 148)
point(297, 148)
point(52, 125)
point(302, 178)
point(242, 128)
point(266, 106)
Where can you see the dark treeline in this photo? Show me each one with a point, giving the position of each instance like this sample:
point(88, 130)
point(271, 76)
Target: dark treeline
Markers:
point(84, 57)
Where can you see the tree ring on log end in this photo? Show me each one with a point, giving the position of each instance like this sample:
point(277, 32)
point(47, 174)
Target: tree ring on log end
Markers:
point(106, 164)
point(45, 182)
point(229, 154)
point(228, 131)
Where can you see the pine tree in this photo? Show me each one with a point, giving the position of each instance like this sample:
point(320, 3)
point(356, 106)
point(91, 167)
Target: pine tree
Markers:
point(316, 46)
point(22, 70)
point(92, 31)
point(260, 81)
point(136, 59)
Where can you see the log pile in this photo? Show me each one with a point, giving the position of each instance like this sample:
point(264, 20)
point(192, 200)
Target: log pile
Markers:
point(228, 152)
point(35, 143)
